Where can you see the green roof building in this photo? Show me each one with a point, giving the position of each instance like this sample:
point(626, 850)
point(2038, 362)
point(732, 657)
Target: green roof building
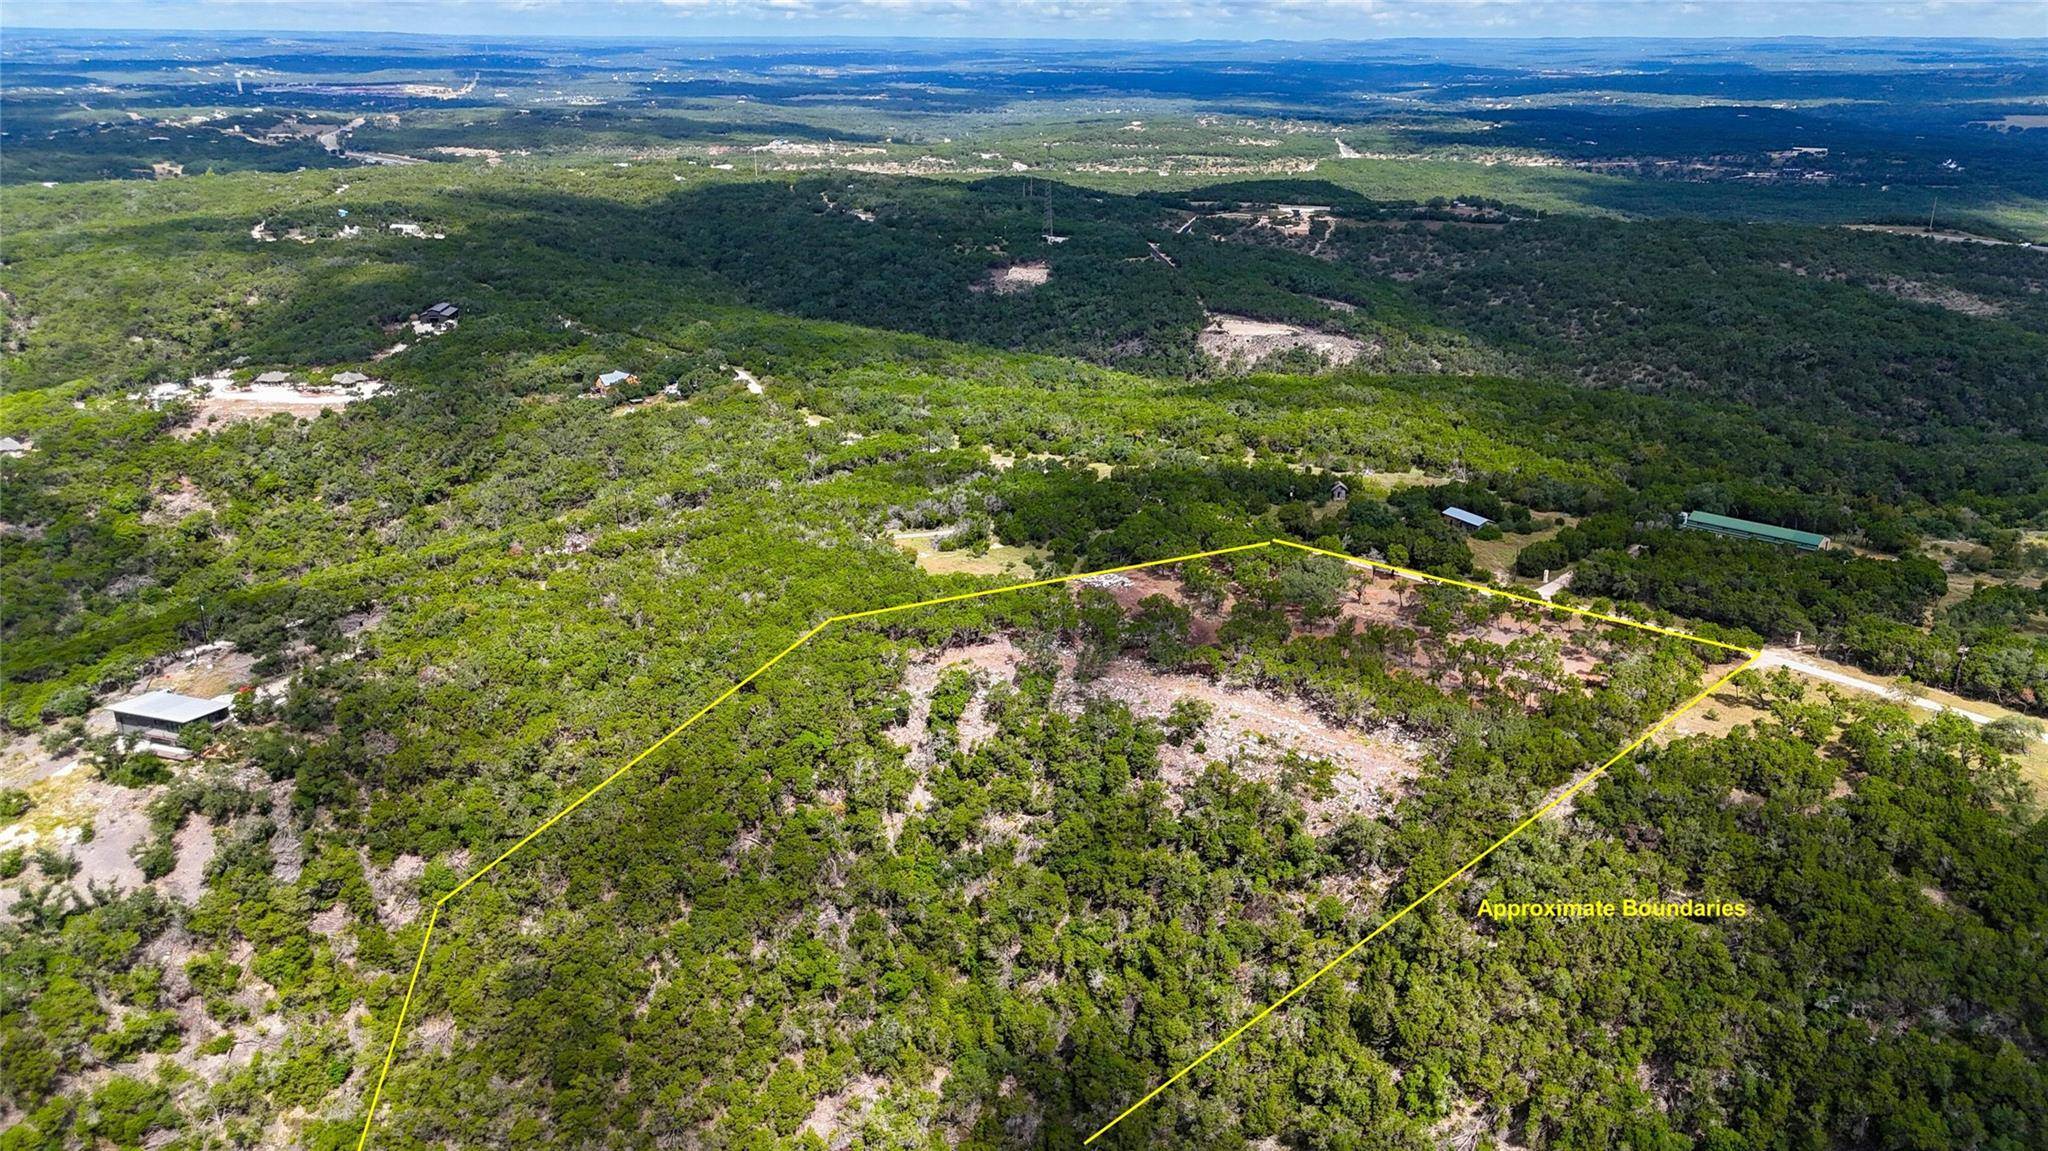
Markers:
point(1751, 530)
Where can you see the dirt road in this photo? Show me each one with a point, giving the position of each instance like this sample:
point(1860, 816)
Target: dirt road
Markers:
point(1792, 661)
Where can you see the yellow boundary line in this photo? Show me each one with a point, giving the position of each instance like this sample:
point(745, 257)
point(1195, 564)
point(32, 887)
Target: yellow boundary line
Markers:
point(1419, 900)
point(426, 938)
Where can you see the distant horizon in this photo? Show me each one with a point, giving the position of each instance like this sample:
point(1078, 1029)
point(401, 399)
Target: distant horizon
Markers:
point(738, 37)
point(1107, 21)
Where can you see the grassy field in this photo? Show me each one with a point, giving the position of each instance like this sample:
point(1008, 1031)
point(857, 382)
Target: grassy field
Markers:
point(1498, 556)
point(1000, 560)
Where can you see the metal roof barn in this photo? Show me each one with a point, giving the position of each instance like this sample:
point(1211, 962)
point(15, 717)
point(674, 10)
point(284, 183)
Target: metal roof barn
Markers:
point(165, 712)
point(1751, 530)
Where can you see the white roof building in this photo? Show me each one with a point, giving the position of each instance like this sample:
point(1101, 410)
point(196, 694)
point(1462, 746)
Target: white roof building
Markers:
point(167, 709)
point(169, 706)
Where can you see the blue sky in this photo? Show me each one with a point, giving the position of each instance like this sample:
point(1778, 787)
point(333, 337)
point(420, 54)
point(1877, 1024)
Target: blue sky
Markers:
point(1134, 19)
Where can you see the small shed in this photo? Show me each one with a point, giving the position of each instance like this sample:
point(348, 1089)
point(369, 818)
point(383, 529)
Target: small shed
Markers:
point(1339, 492)
point(1471, 521)
point(161, 715)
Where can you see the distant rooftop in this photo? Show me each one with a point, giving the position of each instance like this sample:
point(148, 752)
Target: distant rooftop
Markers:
point(1469, 519)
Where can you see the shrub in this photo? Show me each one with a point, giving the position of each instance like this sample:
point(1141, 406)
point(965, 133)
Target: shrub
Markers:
point(143, 769)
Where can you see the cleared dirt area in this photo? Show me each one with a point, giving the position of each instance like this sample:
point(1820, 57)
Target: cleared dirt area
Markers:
point(838, 1118)
point(99, 824)
point(1130, 589)
point(1377, 599)
point(1395, 601)
point(194, 844)
point(1940, 295)
point(221, 401)
point(207, 671)
point(1003, 462)
point(1015, 278)
point(68, 797)
point(1253, 730)
point(994, 661)
point(1242, 340)
point(1250, 728)
point(175, 502)
point(1385, 482)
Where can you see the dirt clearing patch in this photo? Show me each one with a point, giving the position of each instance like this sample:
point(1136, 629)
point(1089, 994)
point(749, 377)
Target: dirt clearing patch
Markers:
point(1244, 341)
point(1250, 728)
point(220, 400)
point(174, 503)
point(1010, 280)
point(1254, 729)
point(206, 671)
point(1940, 295)
point(995, 661)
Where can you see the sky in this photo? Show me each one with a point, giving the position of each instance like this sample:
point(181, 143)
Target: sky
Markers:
point(1088, 19)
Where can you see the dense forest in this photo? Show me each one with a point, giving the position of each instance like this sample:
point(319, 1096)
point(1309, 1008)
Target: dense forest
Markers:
point(981, 875)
